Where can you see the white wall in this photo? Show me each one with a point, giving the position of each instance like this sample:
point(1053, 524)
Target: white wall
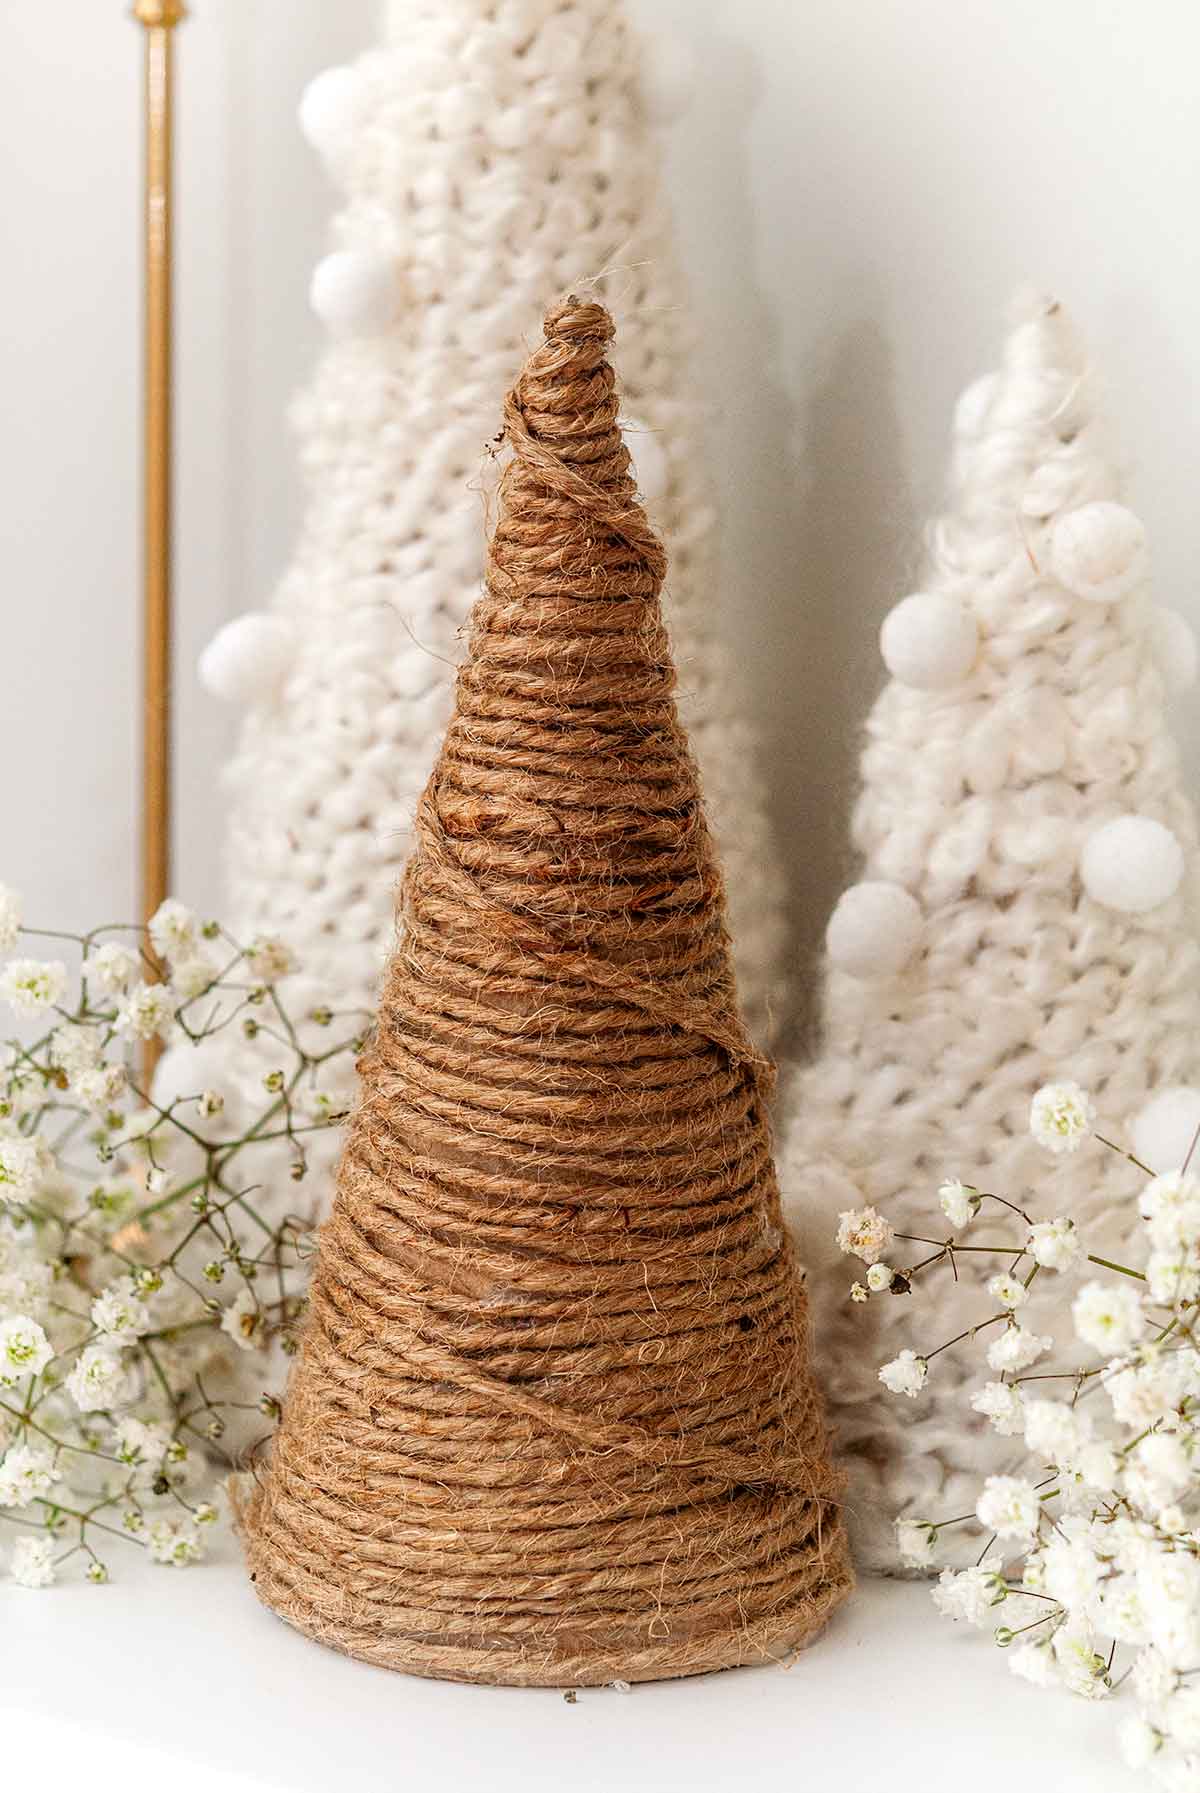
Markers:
point(860, 186)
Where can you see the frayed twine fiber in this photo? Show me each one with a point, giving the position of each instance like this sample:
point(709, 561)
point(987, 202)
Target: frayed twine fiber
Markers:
point(553, 1422)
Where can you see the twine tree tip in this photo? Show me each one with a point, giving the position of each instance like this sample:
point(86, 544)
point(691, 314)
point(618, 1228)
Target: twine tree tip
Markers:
point(573, 319)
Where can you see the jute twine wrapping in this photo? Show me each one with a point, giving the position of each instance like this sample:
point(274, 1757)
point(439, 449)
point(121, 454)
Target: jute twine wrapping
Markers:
point(552, 1423)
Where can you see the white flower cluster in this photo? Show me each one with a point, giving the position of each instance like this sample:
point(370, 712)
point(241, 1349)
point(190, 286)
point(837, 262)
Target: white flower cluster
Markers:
point(1090, 1561)
point(119, 1211)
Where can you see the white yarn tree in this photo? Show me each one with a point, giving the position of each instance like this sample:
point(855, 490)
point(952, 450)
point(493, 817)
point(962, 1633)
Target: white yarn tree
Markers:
point(1027, 910)
point(493, 153)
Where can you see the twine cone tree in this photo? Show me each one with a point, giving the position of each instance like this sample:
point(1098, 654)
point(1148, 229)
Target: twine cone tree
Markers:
point(1027, 911)
point(552, 1422)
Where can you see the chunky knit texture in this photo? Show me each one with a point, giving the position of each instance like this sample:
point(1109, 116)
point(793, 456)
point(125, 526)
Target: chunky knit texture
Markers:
point(553, 1422)
point(492, 152)
point(978, 799)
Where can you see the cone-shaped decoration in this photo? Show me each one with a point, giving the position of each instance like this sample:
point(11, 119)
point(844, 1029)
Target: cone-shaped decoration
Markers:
point(1026, 914)
point(553, 1421)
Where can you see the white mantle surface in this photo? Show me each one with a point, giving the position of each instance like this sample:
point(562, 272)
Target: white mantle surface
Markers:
point(180, 1680)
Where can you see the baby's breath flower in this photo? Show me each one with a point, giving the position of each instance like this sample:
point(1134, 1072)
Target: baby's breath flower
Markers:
point(864, 1233)
point(119, 1315)
point(1157, 1471)
point(173, 930)
point(174, 1545)
point(859, 1292)
point(30, 986)
point(1055, 1431)
point(1108, 1316)
point(1170, 1206)
point(25, 1274)
point(970, 1594)
point(192, 977)
point(139, 1442)
point(270, 959)
point(1084, 1668)
point(915, 1539)
point(1096, 1465)
point(905, 1375)
point(75, 1048)
point(1009, 1507)
point(211, 1103)
point(25, 1162)
point(1008, 1290)
point(10, 918)
point(960, 1202)
point(242, 1320)
point(1154, 1678)
point(1060, 1116)
point(24, 1349)
point(96, 1572)
point(1139, 1741)
point(1054, 1244)
point(1003, 1405)
point(1016, 1349)
point(1071, 1570)
point(880, 1277)
point(99, 1088)
point(1169, 1588)
point(1173, 1278)
point(146, 1011)
point(27, 1471)
point(99, 1379)
point(31, 1564)
point(1142, 1392)
point(1035, 1663)
point(112, 967)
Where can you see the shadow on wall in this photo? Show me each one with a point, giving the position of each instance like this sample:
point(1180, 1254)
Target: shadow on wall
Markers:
point(855, 549)
point(816, 518)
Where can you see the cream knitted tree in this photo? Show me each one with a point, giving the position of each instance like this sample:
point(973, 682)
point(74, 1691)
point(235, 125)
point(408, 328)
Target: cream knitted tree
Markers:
point(492, 152)
point(1027, 903)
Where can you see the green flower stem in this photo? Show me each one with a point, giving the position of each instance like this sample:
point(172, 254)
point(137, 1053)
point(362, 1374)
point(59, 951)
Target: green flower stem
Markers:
point(84, 1450)
point(1122, 1153)
point(1121, 1269)
point(969, 1333)
point(952, 1245)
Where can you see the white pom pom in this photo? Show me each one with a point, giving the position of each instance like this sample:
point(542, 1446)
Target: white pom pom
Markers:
point(668, 78)
point(247, 661)
point(970, 413)
point(649, 458)
point(930, 641)
point(875, 930)
point(354, 292)
point(329, 111)
point(1099, 551)
point(1174, 643)
point(1132, 864)
point(1164, 1130)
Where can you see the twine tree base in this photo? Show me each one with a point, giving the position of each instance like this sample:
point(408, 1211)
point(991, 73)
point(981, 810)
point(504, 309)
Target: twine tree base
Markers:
point(553, 1659)
point(553, 1421)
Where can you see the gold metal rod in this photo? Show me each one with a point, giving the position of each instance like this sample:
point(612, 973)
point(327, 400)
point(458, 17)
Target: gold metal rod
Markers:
point(159, 18)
